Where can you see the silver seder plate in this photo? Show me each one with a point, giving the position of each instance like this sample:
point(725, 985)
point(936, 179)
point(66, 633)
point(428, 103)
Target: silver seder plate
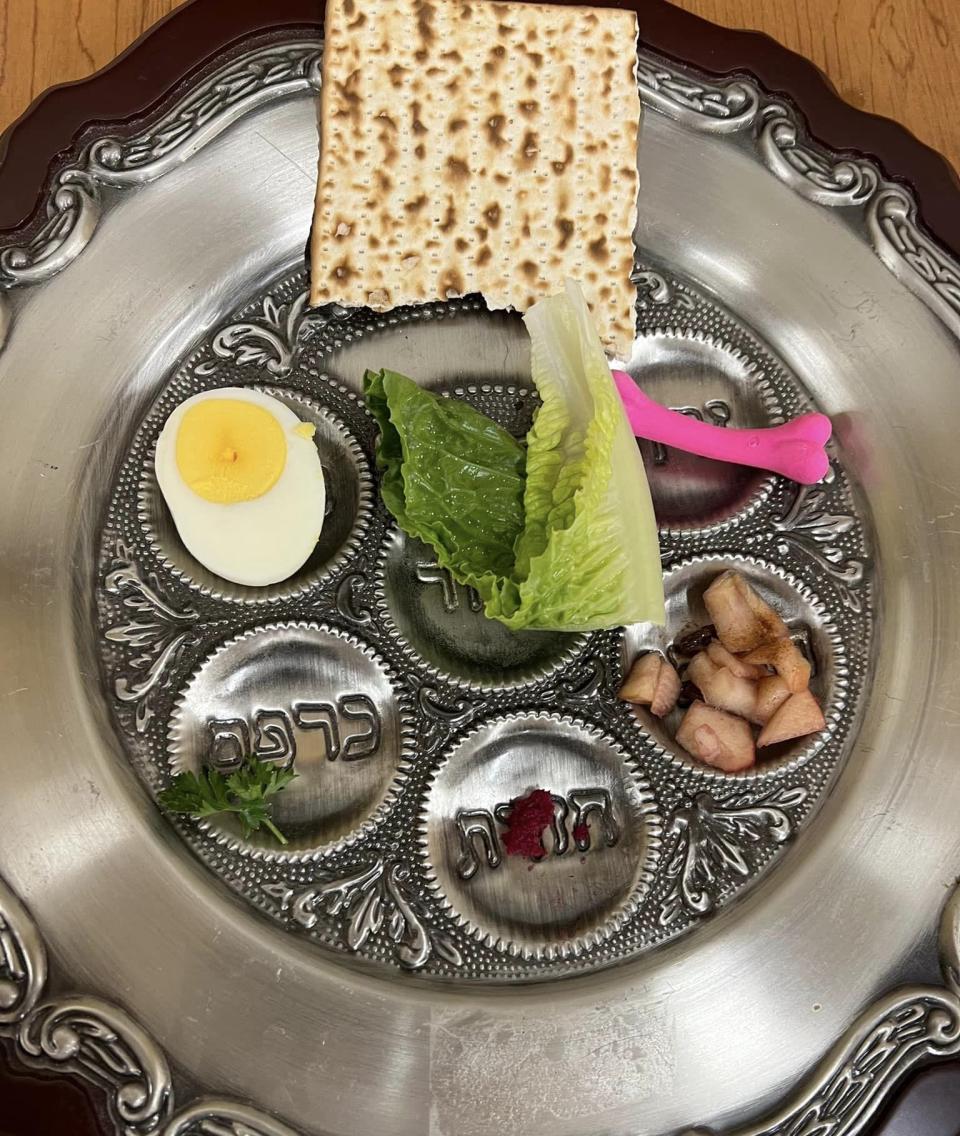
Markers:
point(694, 942)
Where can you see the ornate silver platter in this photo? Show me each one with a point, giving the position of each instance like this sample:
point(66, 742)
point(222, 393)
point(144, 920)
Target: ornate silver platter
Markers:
point(695, 943)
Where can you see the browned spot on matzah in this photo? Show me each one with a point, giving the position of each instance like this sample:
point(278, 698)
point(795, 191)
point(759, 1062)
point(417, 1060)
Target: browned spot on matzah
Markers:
point(424, 19)
point(559, 167)
point(389, 150)
point(450, 217)
point(451, 283)
point(436, 178)
point(495, 130)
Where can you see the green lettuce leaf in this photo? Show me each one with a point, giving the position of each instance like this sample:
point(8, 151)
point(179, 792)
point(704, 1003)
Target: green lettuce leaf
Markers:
point(561, 536)
point(451, 476)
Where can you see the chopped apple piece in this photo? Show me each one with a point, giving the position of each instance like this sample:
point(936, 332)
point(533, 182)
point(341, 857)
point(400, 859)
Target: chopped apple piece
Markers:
point(787, 660)
point(742, 619)
point(652, 682)
point(774, 627)
point(735, 695)
point(640, 685)
point(722, 688)
point(667, 692)
point(798, 716)
point(721, 657)
point(772, 692)
point(701, 669)
point(717, 738)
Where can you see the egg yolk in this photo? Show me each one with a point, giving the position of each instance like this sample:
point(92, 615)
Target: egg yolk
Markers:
point(229, 450)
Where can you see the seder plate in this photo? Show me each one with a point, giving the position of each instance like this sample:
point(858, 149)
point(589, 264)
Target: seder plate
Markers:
point(694, 942)
point(413, 721)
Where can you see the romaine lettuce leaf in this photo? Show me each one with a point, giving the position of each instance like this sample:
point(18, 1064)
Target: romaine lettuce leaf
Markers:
point(451, 476)
point(561, 536)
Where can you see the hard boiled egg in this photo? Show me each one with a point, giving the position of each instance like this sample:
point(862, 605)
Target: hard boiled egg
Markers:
point(242, 478)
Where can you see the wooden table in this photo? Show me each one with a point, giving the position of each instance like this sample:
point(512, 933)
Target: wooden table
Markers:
point(895, 57)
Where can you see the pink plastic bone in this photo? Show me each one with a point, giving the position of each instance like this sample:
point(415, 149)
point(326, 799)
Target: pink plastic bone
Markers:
point(794, 449)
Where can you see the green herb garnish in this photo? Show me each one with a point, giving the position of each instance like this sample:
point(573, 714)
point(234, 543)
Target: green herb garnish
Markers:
point(246, 793)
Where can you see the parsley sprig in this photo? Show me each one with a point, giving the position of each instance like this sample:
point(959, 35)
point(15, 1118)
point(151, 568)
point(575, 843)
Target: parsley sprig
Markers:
point(246, 793)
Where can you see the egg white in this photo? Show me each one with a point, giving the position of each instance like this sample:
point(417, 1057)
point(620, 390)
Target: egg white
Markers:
point(258, 542)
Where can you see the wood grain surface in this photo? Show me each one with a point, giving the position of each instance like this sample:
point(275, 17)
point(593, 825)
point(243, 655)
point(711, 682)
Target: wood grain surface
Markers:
point(894, 57)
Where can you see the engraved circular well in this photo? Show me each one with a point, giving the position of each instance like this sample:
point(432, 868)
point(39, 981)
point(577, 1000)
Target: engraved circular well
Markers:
point(349, 497)
point(306, 696)
point(601, 849)
point(810, 627)
point(441, 623)
point(716, 384)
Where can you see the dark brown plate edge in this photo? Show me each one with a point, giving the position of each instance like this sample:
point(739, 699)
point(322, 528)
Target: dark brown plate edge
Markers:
point(148, 74)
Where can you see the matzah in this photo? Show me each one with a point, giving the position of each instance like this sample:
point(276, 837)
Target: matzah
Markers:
point(478, 147)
